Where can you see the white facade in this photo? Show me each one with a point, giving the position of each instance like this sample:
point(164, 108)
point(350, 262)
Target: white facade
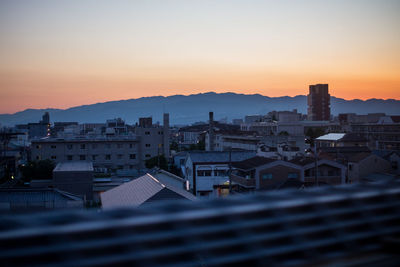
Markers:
point(236, 142)
point(207, 177)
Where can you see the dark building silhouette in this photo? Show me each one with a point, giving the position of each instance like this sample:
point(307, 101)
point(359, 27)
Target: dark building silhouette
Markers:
point(319, 103)
point(145, 122)
point(45, 118)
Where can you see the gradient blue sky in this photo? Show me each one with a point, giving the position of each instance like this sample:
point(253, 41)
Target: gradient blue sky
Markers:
point(66, 53)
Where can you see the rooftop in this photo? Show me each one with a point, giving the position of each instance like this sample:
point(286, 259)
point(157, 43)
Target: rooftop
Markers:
point(331, 137)
point(252, 163)
point(84, 138)
point(220, 156)
point(146, 188)
point(36, 195)
point(72, 166)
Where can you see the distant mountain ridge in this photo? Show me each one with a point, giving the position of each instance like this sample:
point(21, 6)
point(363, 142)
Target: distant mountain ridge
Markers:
point(192, 108)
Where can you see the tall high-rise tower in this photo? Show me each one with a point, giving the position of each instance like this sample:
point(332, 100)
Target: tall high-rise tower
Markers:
point(319, 101)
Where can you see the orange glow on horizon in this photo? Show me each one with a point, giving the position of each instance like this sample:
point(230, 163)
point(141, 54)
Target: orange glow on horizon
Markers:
point(60, 91)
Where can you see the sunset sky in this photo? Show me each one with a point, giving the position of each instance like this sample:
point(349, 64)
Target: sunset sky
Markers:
point(61, 54)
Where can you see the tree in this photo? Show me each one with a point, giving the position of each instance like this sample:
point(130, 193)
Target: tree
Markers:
point(174, 146)
point(37, 170)
point(157, 161)
point(313, 134)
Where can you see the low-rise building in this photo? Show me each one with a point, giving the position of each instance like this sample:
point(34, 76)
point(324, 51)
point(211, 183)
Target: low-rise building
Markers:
point(75, 177)
point(108, 153)
point(321, 171)
point(207, 173)
point(144, 190)
point(341, 140)
point(260, 173)
point(31, 200)
point(363, 164)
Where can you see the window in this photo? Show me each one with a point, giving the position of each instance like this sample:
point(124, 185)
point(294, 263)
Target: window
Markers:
point(69, 146)
point(119, 156)
point(108, 157)
point(147, 155)
point(82, 157)
point(221, 173)
point(119, 145)
point(147, 133)
point(38, 157)
point(131, 167)
point(204, 173)
point(292, 175)
point(53, 146)
point(147, 145)
point(350, 167)
point(132, 156)
point(267, 176)
point(53, 157)
point(69, 157)
point(38, 146)
point(120, 167)
point(130, 145)
point(94, 157)
point(83, 146)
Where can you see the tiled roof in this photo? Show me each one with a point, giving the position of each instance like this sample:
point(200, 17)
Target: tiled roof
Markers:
point(359, 157)
point(220, 156)
point(353, 137)
point(302, 161)
point(252, 163)
point(138, 191)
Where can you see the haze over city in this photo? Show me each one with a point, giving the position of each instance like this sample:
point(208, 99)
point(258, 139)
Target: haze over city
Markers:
point(63, 54)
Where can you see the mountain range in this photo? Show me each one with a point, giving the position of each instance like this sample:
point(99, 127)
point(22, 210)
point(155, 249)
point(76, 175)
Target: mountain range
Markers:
point(192, 108)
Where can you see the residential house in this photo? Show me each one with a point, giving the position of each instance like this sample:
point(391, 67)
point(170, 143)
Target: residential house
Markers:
point(207, 173)
point(143, 190)
point(260, 173)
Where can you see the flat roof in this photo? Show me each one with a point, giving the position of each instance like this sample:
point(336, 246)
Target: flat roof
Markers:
point(331, 137)
point(71, 166)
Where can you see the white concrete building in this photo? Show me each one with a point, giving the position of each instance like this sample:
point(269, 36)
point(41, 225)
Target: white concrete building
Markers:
point(207, 172)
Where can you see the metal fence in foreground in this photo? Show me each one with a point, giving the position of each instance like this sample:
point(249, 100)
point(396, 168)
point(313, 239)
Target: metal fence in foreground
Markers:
point(330, 226)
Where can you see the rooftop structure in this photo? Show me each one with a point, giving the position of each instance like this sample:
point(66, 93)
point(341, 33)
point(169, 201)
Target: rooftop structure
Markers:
point(29, 200)
point(144, 189)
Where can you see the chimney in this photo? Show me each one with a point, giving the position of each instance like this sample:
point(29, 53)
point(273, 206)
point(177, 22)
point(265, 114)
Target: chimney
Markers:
point(211, 131)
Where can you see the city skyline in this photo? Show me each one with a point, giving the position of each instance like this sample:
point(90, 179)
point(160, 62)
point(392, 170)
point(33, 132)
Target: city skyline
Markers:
point(65, 54)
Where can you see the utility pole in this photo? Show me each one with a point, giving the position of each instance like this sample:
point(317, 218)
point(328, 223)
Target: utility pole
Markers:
point(158, 156)
point(316, 163)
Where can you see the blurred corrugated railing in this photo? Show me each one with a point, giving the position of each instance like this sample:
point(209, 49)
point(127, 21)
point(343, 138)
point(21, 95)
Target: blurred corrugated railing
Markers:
point(328, 226)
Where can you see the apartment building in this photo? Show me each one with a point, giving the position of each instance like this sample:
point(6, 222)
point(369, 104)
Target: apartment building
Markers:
point(108, 152)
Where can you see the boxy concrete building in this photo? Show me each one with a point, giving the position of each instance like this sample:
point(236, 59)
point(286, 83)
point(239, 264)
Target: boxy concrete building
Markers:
point(75, 177)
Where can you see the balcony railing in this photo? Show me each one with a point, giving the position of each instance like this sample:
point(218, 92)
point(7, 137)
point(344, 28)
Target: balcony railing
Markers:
point(330, 226)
